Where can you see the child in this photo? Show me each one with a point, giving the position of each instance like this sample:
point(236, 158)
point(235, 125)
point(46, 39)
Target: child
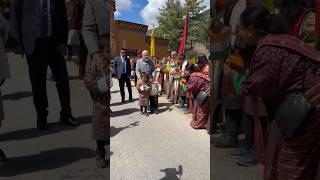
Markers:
point(176, 75)
point(143, 87)
point(154, 93)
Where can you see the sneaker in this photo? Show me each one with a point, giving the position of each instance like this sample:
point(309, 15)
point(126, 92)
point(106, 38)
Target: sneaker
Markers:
point(235, 153)
point(225, 143)
point(248, 158)
point(146, 114)
point(141, 113)
point(180, 106)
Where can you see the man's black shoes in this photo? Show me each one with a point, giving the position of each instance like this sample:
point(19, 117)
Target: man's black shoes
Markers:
point(69, 121)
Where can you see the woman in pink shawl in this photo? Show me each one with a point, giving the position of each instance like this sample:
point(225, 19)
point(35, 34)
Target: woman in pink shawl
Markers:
point(199, 82)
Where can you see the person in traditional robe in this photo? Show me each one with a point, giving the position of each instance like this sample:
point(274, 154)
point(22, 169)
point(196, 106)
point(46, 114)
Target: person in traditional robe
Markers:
point(75, 25)
point(4, 68)
point(96, 34)
point(282, 65)
point(199, 82)
point(172, 63)
point(231, 103)
point(143, 87)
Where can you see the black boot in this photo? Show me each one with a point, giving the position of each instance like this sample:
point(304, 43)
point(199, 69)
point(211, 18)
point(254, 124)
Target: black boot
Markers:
point(3, 157)
point(101, 161)
point(42, 120)
point(68, 119)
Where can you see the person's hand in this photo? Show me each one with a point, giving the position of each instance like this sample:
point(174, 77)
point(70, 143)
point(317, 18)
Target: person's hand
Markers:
point(2, 80)
point(62, 50)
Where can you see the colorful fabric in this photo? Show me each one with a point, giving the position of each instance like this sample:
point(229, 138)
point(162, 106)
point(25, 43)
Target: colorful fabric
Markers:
point(276, 71)
point(144, 91)
point(236, 62)
point(201, 113)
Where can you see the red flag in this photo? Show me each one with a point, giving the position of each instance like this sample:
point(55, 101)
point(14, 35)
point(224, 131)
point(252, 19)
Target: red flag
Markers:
point(318, 16)
point(184, 37)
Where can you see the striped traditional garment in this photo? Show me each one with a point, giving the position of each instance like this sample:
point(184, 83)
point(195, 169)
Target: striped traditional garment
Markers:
point(276, 72)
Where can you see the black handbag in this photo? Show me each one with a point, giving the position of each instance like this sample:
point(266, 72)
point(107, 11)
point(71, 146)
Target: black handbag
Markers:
point(201, 97)
point(294, 110)
point(291, 114)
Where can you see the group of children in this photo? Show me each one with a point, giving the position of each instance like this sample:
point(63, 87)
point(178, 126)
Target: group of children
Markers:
point(149, 91)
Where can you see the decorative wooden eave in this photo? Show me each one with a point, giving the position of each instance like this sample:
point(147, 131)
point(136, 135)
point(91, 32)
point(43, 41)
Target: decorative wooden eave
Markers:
point(129, 26)
point(158, 41)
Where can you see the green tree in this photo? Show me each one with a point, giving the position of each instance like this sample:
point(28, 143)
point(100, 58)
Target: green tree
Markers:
point(199, 22)
point(170, 21)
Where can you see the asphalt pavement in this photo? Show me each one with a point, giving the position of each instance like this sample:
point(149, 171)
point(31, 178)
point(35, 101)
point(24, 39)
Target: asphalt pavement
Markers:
point(161, 146)
point(62, 152)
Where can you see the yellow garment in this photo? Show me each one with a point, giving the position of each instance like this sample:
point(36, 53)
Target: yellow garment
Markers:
point(268, 4)
point(193, 61)
point(236, 62)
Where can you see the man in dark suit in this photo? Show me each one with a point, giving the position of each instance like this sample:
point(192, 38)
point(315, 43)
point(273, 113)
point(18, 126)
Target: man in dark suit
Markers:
point(122, 70)
point(41, 28)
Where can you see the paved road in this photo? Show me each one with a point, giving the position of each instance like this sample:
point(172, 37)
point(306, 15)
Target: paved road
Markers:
point(153, 148)
point(61, 153)
point(143, 148)
point(224, 168)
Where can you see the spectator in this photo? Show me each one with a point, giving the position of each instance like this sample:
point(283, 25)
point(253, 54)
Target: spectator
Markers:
point(122, 70)
point(44, 40)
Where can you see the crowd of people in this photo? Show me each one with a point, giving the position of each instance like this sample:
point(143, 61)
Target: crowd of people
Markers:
point(183, 79)
point(41, 31)
point(270, 86)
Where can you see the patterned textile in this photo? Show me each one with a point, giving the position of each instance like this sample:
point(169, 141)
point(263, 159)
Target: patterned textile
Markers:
point(201, 113)
point(144, 91)
point(101, 100)
point(275, 73)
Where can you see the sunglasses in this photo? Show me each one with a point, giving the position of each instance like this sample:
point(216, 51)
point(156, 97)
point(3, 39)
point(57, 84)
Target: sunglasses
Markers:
point(122, 52)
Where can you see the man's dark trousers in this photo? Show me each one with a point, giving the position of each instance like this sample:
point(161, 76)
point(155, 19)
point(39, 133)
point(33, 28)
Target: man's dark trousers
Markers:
point(45, 54)
point(125, 79)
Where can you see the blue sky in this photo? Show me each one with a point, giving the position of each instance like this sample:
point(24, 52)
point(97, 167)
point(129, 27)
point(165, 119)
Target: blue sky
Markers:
point(142, 11)
point(132, 14)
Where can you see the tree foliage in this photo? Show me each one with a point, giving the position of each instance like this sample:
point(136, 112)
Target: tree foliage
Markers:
point(171, 22)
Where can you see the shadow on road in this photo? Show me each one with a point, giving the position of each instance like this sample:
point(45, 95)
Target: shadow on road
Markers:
point(117, 91)
point(124, 112)
point(121, 103)
point(114, 131)
point(24, 134)
point(166, 105)
point(172, 173)
point(46, 160)
point(17, 95)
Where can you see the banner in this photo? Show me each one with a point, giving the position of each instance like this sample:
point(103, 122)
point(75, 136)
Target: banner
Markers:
point(152, 45)
point(184, 37)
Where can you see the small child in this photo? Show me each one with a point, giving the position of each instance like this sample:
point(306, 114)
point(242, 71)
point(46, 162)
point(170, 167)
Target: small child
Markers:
point(154, 94)
point(143, 87)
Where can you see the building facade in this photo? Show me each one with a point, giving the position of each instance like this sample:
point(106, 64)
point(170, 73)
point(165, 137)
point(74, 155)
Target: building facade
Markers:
point(133, 37)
